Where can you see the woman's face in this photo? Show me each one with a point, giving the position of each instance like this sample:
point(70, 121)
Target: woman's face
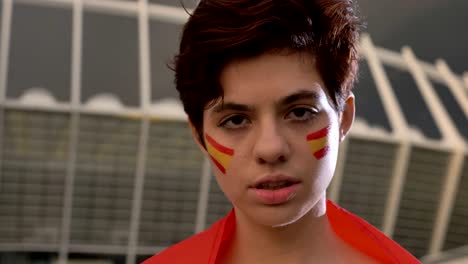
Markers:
point(273, 141)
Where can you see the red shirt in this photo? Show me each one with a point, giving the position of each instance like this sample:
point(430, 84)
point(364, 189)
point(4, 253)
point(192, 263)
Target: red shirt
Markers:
point(204, 247)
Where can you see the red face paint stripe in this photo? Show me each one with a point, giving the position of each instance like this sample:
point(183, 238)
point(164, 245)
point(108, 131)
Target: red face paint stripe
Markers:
point(218, 146)
point(220, 167)
point(319, 134)
point(321, 153)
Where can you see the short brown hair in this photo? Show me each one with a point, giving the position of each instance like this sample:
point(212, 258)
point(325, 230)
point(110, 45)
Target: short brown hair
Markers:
point(220, 31)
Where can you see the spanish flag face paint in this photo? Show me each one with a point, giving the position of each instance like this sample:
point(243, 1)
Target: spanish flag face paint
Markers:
point(220, 154)
point(318, 142)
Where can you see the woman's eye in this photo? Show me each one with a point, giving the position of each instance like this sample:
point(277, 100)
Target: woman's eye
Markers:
point(301, 113)
point(236, 121)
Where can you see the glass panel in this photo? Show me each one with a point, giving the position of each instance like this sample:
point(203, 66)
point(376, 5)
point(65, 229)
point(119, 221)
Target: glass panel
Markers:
point(419, 199)
point(172, 184)
point(110, 57)
point(177, 3)
point(34, 162)
point(104, 180)
point(411, 102)
point(366, 179)
point(453, 108)
point(164, 44)
point(40, 50)
point(368, 102)
point(457, 231)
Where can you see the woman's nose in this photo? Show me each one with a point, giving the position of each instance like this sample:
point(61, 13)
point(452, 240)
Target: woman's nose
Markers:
point(271, 146)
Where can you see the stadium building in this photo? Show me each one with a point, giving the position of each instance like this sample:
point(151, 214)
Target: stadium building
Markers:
point(97, 164)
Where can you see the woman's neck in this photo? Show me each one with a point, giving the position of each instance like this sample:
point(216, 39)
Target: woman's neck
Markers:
point(310, 237)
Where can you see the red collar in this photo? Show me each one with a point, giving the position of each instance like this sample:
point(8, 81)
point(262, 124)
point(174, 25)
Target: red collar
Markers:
point(205, 247)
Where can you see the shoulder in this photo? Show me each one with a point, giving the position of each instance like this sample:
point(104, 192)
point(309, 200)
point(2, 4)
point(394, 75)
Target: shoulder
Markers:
point(390, 247)
point(196, 249)
point(366, 238)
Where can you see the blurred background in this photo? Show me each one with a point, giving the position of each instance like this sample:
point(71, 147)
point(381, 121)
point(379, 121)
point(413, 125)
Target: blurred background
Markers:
point(97, 164)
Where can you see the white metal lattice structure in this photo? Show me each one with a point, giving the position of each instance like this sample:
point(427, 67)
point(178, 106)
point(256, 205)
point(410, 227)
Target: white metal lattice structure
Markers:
point(165, 191)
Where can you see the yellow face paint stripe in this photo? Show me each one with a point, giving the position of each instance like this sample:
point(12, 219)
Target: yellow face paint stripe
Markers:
point(220, 155)
point(318, 142)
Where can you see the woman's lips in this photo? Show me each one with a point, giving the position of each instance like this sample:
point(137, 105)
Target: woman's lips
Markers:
point(274, 189)
point(274, 178)
point(275, 196)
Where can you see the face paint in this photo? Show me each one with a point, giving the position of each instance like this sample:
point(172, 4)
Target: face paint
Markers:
point(220, 154)
point(318, 142)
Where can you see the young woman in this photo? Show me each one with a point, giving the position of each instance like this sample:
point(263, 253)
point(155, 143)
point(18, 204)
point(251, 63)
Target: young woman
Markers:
point(267, 87)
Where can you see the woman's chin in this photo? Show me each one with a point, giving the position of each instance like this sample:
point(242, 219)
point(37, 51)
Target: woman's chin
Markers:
point(275, 216)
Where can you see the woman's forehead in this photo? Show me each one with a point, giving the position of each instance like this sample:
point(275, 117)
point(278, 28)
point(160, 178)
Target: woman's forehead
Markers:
point(269, 74)
point(269, 78)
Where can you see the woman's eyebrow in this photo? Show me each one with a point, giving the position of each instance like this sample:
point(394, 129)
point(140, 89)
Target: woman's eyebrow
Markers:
point(300, 95)
point(287, 100)
point(224, 106)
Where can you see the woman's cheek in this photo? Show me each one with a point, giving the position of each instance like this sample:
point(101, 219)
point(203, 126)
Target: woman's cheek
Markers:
point(319, 142)
point(219, 154)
